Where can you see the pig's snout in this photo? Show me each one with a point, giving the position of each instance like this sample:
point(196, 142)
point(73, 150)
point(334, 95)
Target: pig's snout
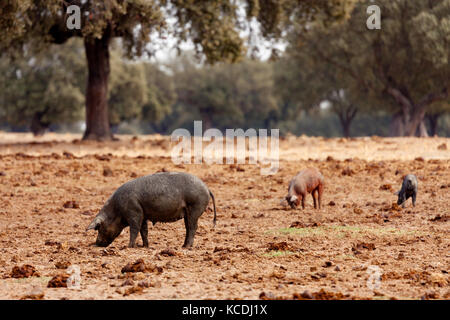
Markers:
point(100, 242)
point(292, 201)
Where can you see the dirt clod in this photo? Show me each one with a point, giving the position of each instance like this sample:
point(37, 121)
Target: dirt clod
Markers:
point(267, 296)
point(138, 266)
point(386, 186)
point(62, 264)
point(321, 295)
point(279, 246)
point(58, 281)
point(133, 290)
point(72, 204)
point(441, 218)
point(168, 253)
point(127, 282)
point(144, 284)
point(299, 224)
point(348, 172)
point(107, 172)
point(357, 248)
point(141, 266)
point(24, 271)
point(430, 296)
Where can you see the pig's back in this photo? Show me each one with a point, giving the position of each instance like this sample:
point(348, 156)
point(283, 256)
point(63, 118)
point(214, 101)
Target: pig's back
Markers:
point(310, 177)
point(164, 191)
point(410, 182)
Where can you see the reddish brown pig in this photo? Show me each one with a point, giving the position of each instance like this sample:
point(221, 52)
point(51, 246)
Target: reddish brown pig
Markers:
point(306, 181)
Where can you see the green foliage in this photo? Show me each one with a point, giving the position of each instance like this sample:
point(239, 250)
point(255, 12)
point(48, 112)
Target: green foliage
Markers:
point(214, 27)
point(43, 87)
point(138, 91)
point(364, 74)
point(228, 96)
point(128, 90)
point(50, 85)
point(144, 99)
point(277, 253)
point(407, 60)
point(355, 232)
point(43, 21)
point(305, 82)
point(444, 126)
point(161, 94)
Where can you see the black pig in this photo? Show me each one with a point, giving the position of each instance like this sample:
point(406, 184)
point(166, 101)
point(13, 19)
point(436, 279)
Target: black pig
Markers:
point(160, 197)
point(408, 190)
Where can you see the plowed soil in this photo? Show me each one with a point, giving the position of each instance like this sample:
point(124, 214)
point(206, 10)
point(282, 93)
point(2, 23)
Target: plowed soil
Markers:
point(50, 190)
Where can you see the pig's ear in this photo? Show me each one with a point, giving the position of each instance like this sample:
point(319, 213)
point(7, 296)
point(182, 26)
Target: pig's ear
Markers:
point(95, 224)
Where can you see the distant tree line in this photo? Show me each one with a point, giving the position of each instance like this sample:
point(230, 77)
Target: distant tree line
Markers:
point(333, 79)
point(215, 28)
point(403, 69)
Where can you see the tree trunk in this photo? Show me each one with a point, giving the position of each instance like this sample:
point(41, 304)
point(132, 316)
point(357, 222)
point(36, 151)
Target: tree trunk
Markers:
point(397, 127)
point(422, 129)
point(207, 121)
point(346, 117)
point(414, 114)
point(97, 120)
point(433, 120)
point(346, 128)
point(38, 127)
point(416, 124)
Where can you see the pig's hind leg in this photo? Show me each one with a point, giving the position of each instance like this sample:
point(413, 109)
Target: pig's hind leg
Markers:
point(313, 194)
point(144, 233)
point(319, 195)
point(191, 227)
point(192, 213)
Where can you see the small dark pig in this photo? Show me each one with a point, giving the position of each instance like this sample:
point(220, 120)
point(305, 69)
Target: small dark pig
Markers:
point(309, 180)
point(408, 190)
point(159, 197)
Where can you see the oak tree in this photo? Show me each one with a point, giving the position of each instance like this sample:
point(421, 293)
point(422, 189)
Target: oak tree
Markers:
point(216, 28)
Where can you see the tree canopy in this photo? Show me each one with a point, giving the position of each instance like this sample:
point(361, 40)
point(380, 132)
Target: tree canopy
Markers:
point(407, 60)
point(41, 90)
point(216, 28)
point(38, 90)
point(226, 96)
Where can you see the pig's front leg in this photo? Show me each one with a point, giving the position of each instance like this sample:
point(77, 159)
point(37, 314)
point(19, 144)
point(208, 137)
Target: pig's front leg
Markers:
point(135, 219)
